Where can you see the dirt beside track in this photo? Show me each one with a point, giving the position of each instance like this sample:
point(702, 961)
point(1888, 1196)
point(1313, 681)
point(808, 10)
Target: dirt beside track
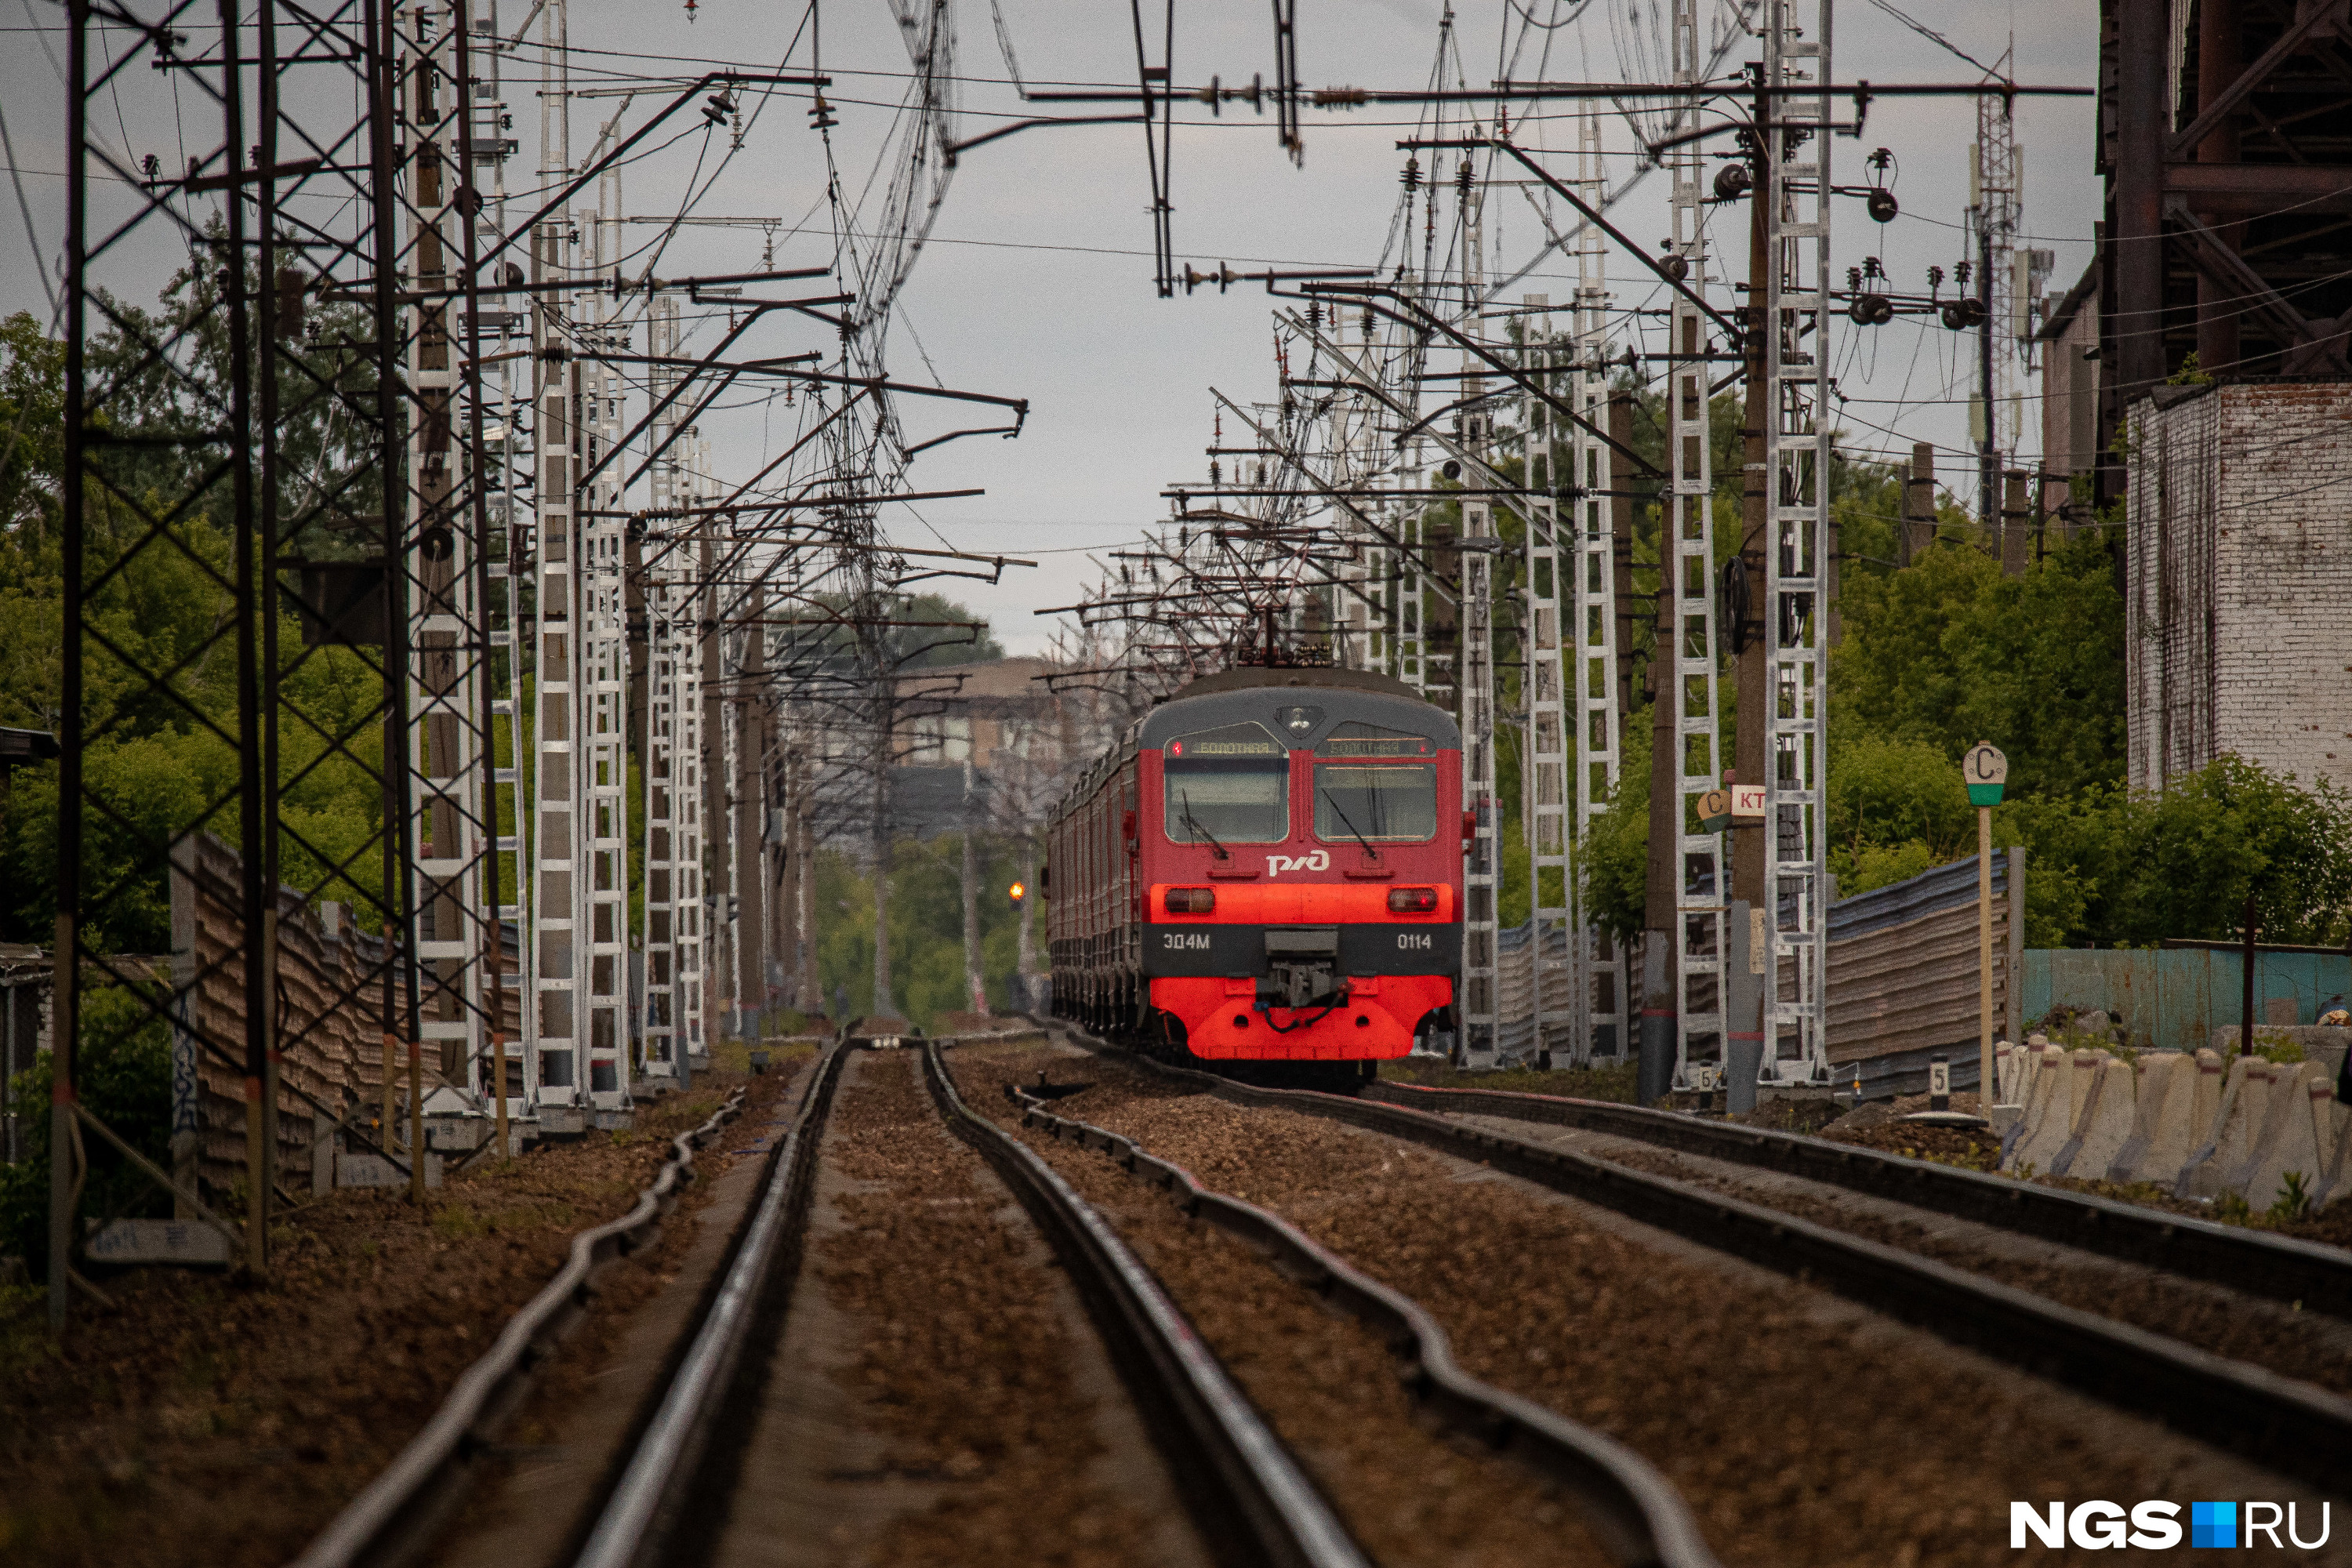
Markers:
point(1409, 1494)
point(212, 1422)
point(937, 1397)
point(1802, 1429)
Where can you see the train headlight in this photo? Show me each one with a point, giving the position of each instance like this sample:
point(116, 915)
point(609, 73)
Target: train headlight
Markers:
point(1409, 900)
point(1190, 901)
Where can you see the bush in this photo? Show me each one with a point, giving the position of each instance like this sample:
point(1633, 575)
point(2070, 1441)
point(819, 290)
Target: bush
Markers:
point(125, 1078)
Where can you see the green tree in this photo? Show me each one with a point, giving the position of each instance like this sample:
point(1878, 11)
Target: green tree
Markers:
point(2111, 866)
point(124, 1077)
point(926, 927)
point(1951, 652)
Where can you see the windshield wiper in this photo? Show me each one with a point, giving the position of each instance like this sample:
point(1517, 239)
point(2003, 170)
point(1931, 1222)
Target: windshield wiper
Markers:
point(1196, 824)
point(1369, 853)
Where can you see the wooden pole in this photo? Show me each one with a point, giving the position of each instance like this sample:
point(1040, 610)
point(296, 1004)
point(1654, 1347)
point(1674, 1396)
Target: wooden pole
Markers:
point(1985, 1095)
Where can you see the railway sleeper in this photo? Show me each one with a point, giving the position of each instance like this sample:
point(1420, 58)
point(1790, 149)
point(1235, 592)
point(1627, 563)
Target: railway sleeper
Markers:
point(2291, 1427)
point(1634, 1513)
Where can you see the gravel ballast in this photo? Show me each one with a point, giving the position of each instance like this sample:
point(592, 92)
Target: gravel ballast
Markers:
point(2265, 1334)
point(1410, 1494)
point(938, 1396)
point(1801, 1428)
point(212, 1421)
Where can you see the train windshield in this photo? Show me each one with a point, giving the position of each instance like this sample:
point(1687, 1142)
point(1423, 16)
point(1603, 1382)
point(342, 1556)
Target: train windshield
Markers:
point(1230, 785)
point(1379, 802)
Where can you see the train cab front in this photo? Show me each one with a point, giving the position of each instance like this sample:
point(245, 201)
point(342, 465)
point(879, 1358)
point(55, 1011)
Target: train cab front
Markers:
point(1311, 972)
point(1303, 902)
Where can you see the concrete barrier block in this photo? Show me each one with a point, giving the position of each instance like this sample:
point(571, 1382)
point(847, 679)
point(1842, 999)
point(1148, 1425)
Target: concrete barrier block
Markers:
point(458, 1134)
point(129, 1241)
point(2080, 1075)
point(2334, 1137)
point(2163, 1093)
point(2289, 1140)
point(2109, 1116)
point(2237, 1122)
point(2262, 1127)
point(2025, 1065)
point(2088, 1090)
point(376, 1171)
point(2205, 1111)
point(2218, 1089)
point(2047, 1123)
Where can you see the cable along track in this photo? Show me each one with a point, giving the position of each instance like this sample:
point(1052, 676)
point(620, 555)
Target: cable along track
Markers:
point(2290, 1428)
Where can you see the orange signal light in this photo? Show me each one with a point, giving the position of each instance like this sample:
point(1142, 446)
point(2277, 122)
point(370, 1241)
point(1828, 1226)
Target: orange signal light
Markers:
point(1019, 890)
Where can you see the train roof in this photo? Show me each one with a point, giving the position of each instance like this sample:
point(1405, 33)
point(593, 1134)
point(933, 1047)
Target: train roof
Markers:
point(1300, 705)
point(1261, 692)
point(1246, 677)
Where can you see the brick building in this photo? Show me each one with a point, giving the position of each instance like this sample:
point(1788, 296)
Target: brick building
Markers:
point(2239, 579)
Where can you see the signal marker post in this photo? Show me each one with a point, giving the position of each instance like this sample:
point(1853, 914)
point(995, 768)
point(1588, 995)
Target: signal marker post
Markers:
point(1985, 769)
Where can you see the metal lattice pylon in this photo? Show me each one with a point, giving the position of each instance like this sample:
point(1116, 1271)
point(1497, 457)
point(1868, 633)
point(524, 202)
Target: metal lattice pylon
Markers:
point(1687, 670)
point(1796, 563)
point(263, 420)
point(452, 682)
point(1998, 175)
point(1475, 684)
point(672, 920)
point(1544, 790)
point(509, 456)
point(1592, 625)
point(600, 886)
point(552, 1025)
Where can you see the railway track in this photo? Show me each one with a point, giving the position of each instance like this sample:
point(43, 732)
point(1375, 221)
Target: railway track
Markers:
point(2307, 1276)
point(1632, 1512)
point(699, 1447)
point(2288, 1426)
point(1226, 1472)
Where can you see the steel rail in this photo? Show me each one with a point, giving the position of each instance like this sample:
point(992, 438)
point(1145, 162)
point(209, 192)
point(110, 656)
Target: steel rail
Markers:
point(1635, 1514)
point(643, 1505)
point(2295, 1428)
point(2317, 1278)
point(1253, 1503)
point(395, 1519)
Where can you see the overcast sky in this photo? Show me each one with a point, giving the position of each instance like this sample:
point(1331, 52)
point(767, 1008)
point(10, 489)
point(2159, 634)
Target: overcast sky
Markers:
point(1037, 282)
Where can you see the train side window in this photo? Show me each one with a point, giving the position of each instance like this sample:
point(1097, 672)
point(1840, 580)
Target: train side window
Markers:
point(1228, 785)
point(1379, 802)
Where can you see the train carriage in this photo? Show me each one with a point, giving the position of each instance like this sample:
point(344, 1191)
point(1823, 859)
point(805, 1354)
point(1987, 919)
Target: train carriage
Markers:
point(1267, 867)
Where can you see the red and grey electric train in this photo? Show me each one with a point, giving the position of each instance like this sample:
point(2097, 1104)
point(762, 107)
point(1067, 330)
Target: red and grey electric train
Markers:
point(1267, 868)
